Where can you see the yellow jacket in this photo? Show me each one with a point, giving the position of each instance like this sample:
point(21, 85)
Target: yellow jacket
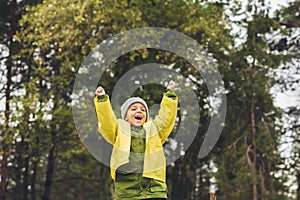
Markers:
point(117, 132)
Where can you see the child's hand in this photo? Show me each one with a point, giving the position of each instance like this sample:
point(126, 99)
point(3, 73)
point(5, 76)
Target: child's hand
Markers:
point(99, 91)
point(171, 85)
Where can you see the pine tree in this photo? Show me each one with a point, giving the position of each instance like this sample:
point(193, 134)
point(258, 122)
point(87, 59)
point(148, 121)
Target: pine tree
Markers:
point(247, 155)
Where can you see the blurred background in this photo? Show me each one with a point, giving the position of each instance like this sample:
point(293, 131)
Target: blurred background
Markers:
point(255, 43)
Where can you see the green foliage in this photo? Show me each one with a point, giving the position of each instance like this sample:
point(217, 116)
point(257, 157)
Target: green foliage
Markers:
point(249, 152)
point(56, 36)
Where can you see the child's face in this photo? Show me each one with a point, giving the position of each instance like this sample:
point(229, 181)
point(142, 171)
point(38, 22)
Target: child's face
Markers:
point(136, 114)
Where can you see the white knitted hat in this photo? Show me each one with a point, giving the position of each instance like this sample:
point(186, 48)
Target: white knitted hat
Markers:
point(129, 102)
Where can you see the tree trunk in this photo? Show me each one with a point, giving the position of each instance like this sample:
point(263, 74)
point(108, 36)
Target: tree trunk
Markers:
point(3, 170)
point(53, 145)
point(33, 178)
point(298, 189)
point(176, 180)
point(180, 184)
point(35, 161)
point(197, 183)
point(51, 159)
point(20, 153)
point(254, 160)
point(6, 132)
point(26, 172)
point(50, 167)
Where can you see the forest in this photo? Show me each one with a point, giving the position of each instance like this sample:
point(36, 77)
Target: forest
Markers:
point(255, 47)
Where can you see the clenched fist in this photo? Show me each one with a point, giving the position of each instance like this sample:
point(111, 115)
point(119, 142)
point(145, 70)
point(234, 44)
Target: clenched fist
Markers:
point(171, 85)
point(99, 91)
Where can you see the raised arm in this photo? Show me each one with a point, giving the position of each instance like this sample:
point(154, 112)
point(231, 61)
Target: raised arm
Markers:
point(107, 122)
point(166, 117)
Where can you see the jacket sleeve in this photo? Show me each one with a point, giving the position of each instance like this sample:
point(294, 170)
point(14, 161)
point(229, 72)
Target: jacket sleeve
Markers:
point(166, 117)
point(107, 122)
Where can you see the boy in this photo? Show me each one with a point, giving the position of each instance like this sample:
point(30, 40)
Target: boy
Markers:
point(138, 164)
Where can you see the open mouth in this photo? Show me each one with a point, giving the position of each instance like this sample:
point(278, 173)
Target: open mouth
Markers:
point(138, 117)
